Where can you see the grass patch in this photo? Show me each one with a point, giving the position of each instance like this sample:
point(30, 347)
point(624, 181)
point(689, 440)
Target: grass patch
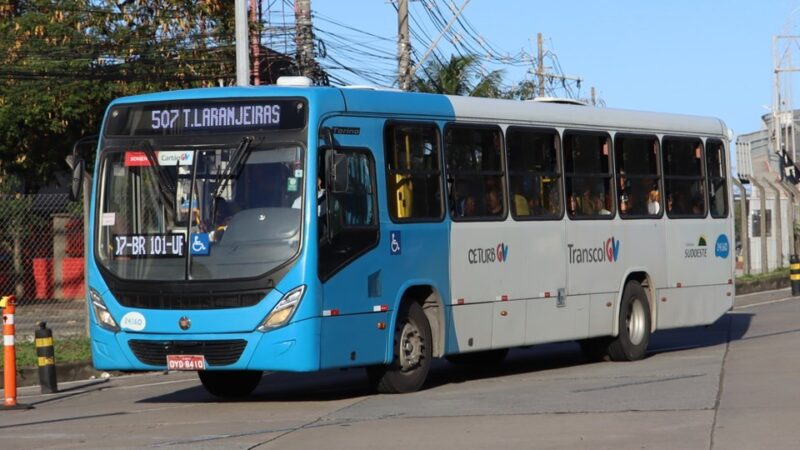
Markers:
point(71, 349)
point(783, 272)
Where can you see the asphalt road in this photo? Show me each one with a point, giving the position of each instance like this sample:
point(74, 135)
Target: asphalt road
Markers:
point(733, 385)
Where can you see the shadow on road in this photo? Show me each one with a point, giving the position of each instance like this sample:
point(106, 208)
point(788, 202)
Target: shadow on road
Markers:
point(331, 385)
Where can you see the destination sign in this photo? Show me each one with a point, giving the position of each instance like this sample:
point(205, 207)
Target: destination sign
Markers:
point(216, 116)
point(149, 245)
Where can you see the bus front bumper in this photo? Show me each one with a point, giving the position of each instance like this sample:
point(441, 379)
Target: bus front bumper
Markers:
point(293, 348)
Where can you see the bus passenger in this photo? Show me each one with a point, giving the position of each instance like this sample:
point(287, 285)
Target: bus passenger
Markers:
point(521, 205)
point(469, 207)
point(573, 204)
point(494, 207)
point(625, 202)
point(654, 202)
point(600, 205)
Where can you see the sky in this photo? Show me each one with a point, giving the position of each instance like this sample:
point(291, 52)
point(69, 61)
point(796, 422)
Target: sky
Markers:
point(703, 57)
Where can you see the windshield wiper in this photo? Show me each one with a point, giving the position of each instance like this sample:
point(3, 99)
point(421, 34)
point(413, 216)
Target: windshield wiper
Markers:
point(166, 185)
point(234, 166)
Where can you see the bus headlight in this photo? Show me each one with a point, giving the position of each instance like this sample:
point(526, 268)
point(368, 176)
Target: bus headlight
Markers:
point(104, 317)
point(284, 310)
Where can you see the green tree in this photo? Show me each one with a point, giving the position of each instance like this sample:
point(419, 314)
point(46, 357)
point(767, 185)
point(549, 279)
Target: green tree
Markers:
point(461, 75)
point(63, 61)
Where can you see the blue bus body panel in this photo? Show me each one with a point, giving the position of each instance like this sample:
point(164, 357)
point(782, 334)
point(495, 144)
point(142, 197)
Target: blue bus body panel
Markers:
point(363, 333)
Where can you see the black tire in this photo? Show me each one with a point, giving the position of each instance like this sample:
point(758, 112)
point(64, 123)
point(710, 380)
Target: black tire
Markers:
point(634, 325)
point(484, 358)
point(234, 383)
point(595, 349)
point(412, 354)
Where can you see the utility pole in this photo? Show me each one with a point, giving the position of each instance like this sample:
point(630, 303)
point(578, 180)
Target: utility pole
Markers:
point(305, 38)
point(242, 56)
point(255, 40)
point(540, 72)
point(403, 46)
point(540, 64)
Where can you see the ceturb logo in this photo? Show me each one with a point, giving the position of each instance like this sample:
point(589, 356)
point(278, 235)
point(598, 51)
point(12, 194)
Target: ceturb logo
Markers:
point(488, 255)
point(607, 252)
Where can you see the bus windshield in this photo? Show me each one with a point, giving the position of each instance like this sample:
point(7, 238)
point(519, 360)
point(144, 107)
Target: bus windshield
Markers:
point(189, 213)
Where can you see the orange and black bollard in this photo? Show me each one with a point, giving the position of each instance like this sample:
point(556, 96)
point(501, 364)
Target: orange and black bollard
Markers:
point(8, 304)
point(794, 274)
point(46, 358)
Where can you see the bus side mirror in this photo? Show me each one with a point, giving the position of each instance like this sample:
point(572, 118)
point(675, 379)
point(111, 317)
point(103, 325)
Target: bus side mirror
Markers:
point(76, 187)
point(340, 174)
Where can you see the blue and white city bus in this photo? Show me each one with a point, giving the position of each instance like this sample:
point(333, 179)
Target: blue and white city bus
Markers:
point(297, 228)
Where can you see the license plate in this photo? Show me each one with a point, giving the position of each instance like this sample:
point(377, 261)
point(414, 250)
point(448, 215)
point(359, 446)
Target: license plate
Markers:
point(186, 362)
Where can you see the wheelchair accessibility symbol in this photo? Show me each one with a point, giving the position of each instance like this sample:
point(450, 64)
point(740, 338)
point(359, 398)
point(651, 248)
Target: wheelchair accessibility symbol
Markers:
point(394, 243)
point(200, 244)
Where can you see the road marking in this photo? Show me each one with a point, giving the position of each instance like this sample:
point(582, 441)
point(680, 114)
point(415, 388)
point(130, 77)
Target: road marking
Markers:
point(764, 303)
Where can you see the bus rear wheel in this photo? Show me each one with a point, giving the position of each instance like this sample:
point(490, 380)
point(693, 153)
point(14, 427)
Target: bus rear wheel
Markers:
point(634, 325)
point(412, 354)
point(234, 383)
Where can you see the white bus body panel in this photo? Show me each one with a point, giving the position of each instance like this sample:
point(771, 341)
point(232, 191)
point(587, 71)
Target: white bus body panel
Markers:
point(512, 287)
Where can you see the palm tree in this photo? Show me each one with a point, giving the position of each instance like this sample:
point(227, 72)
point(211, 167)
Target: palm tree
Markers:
point(460, 76)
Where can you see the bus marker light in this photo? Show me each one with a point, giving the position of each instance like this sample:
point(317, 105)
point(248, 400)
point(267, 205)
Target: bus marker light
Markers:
point(381, 325)
point(663, 299)
point(380, 308)
point(679, 284)
point(502, 298)
point(460, 301)
point(504, 313)
point(330, 312)
point(609, 304)
point(546, 294)
point(728, 294)
point(730, 281)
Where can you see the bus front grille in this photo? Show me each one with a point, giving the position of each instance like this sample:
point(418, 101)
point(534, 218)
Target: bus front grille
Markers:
point(188, 301)
point(216, 353)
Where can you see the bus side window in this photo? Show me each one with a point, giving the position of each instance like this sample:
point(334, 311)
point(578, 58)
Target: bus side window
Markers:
point(534, 173)
point(475, 172)
point(638, 181)
point(683, 177)
point(587, 168)
point(413, 172)
point(717, 183)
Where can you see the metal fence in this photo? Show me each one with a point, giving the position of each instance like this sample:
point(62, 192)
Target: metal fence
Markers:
point(42, 261)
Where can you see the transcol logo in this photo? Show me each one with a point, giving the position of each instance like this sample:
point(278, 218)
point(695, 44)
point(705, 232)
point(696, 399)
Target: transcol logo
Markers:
point(607, 252)
point(488, 255)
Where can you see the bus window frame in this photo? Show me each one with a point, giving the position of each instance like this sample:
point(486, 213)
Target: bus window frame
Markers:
point(659, 175)
point(724, 177)
point(559, 168)
point(703, 176)
point(442, 187)
point(611, 176)
point(503, 172)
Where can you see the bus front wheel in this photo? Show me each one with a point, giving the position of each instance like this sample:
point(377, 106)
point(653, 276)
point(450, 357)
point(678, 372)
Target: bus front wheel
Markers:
point(634, 325)
point(412, 354)
point(233, 383)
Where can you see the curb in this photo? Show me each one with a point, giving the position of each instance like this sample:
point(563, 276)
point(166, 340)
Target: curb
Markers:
point(71, 371)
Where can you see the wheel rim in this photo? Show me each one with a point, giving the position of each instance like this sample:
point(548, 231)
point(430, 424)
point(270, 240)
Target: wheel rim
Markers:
point(412, 347)
point(635, 322)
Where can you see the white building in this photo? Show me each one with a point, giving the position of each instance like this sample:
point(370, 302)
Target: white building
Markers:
point(769, 175)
